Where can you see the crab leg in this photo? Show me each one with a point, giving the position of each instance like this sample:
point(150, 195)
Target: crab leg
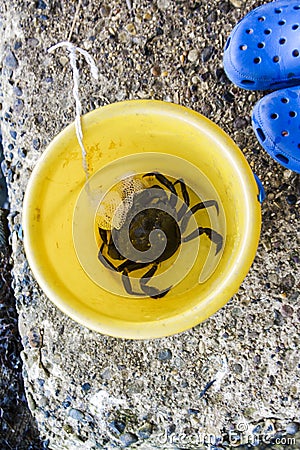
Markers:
point(163, 180)
point(104, 235)
point(104, 260)
point(184, 191)
point(125, 268)
point(194, 209)
point(150, 290)
point(171, 187)
point(204, 205)
point(127, 285)
point(185, 196)
point(107, 239)
point(215, 237)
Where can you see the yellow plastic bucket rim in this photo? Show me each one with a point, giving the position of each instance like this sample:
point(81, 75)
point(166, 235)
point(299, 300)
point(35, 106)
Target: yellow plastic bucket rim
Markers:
point(190, 318)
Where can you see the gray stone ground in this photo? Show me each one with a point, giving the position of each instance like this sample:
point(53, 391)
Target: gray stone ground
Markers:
point(91, 391)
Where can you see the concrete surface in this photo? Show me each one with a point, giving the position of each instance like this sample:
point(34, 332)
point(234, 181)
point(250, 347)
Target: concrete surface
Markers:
point(91, 391)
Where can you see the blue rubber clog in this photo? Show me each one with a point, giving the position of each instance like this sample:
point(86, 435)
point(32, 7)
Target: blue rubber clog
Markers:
point(263, 50)
point(276, 122)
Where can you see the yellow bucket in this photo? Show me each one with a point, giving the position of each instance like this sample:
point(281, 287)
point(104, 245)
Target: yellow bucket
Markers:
point(60, 235)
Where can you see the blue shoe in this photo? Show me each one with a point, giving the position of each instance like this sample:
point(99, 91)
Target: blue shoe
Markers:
point(263, 50)
point(276, 122)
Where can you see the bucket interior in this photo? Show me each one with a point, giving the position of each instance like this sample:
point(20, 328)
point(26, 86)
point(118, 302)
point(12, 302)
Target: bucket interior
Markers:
point(121, 140)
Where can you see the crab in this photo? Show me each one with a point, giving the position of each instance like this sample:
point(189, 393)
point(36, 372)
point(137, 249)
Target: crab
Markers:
point(152, 209)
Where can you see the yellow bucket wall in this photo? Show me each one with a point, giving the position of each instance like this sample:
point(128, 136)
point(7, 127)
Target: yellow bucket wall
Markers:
point(110, 133)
